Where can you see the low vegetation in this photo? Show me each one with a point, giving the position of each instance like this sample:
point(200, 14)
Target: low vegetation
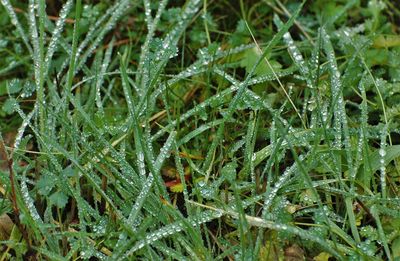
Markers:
point(200, 130)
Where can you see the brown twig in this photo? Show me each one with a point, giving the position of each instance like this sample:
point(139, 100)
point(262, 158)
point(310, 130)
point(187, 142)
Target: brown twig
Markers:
point(13, 195)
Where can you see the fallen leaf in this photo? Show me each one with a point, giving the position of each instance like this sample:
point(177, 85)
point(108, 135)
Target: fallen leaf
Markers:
point(6, 225)
point(294, 253)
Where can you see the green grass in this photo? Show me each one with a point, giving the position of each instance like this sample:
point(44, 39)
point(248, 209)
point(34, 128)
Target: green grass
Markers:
point(200, 130)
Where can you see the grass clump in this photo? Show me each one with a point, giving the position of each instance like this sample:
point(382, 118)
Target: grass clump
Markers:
point(172, 130)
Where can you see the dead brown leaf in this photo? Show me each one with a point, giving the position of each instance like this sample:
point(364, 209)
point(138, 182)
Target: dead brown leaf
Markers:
point(294, 253)
point(6, 226)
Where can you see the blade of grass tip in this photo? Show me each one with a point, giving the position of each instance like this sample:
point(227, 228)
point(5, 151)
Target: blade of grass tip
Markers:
point(118, 10)
point(364, 130)
point(165, 151)
point(147, 12)
point(14, 20)
point(170, 41)
point(276, 76)
point(340, 111)
point(323, 115)
point(57, 33)
point(295, 53)
point(100, 79)
point(207, 164)
point(42, 66)
point(29, 202)
point(88, 37)
point(143, 69)
point(37, 59)
point(73, 59)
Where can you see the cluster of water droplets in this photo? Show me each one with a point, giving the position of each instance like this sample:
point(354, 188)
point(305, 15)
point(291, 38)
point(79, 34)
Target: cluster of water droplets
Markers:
point(35, 41)
point(206, 190)
point(147, 12)
point(382, 163)
point(367, 247)
point(100, 78)
point(279, 184)
point(359, 153)
point(174, 228)
point(101, 226)
point(29, 202)
point(295, 53)
point(25, 122)
point(28, 89)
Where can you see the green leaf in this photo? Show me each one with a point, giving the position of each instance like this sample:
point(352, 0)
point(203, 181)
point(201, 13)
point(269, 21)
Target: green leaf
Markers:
point(45, 184)
point(229, 171)
point(12, 87)
point(251, 57)
point(8, 106)
point(377, 57)
point(59, 199)
point(241, 34)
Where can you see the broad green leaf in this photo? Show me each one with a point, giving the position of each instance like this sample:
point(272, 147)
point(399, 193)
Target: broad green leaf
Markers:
point(251, 57)
point(59, 199)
